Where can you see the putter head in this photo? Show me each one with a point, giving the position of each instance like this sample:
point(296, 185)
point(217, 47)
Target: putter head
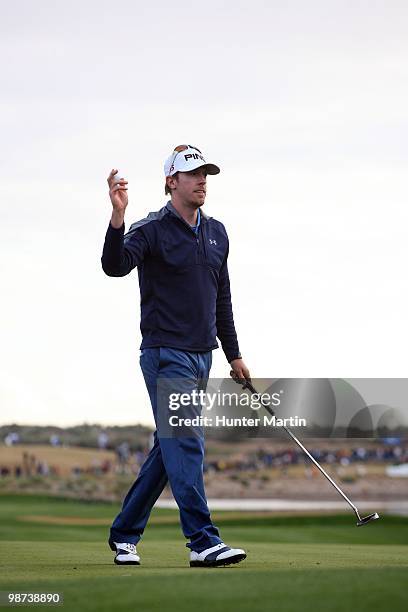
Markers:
point(368, 519)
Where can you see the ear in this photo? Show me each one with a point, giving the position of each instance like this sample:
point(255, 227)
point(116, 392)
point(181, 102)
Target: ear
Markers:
point(171, 181)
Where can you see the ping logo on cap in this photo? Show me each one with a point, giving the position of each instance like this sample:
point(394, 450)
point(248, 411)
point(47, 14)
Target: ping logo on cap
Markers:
point(194, 156)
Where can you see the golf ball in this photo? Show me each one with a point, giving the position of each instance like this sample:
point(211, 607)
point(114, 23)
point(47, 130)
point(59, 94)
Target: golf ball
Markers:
point(119, 175)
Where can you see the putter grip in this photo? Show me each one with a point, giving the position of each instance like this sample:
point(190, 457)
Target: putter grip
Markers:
point(239, 381)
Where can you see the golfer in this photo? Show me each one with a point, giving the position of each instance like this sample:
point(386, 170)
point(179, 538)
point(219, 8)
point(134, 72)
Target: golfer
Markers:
point(181, 255)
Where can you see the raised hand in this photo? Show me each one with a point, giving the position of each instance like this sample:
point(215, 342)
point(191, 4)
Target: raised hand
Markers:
point(118, 196)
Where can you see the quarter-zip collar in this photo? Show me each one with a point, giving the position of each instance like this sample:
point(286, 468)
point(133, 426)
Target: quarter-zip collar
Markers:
point(171, 208)
point(202, 229)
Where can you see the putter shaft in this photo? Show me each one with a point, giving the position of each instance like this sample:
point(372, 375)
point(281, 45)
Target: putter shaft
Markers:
point(361, 521)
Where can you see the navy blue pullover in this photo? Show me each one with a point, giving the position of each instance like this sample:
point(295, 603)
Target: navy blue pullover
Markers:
point(185, 297)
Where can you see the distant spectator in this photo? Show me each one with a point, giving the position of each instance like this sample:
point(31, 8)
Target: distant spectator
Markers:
point(55, 440)
point(42, 468)
point(103, 440)
point(33, 462)
point(11, 438)
point(106, 466)
point(26, 464)
point(122, 454)
point(139, 457)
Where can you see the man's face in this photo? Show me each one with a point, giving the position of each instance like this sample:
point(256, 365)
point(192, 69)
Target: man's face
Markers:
point(191, 187)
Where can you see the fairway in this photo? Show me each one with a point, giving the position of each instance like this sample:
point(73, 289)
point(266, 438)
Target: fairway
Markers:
point(294, 563)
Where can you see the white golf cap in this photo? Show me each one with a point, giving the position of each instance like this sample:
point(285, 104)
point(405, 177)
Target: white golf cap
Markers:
point(185, 158)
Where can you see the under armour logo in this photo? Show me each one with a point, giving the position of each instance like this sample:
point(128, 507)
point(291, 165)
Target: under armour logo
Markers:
point(212, 241)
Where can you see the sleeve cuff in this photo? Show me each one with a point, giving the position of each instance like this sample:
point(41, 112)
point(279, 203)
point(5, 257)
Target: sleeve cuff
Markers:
point(238, 356)
point(117, 229)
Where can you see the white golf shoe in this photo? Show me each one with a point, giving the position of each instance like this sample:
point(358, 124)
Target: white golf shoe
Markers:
point(221, 554)
point(126, 554)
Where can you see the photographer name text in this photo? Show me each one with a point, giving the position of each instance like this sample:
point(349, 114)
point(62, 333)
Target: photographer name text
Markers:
point(223, 421)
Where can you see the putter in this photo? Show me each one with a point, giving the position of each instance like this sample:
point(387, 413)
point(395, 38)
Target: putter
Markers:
point(360, 520)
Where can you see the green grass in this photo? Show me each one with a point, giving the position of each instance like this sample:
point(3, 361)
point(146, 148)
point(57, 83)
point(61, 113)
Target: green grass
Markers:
point(294, 563)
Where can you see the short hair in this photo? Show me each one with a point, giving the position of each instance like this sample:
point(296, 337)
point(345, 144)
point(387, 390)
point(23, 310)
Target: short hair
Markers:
point(167, 190)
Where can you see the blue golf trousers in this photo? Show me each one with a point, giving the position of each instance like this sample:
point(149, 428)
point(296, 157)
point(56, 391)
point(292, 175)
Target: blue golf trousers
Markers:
point(178, 460)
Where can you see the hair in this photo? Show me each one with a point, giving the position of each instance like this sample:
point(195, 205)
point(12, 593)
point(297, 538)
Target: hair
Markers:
point(167, 190)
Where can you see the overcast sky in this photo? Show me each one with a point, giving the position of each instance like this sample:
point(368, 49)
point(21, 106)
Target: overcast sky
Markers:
point(303, 105)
